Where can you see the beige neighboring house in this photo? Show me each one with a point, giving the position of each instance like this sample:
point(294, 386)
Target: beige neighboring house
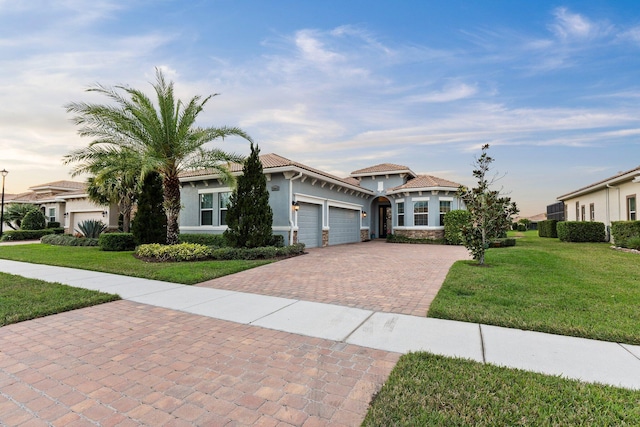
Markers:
point(67, 202)
point(612, 199)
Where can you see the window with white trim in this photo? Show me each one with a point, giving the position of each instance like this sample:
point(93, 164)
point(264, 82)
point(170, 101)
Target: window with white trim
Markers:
point(52, 214)
point(401, 214)
point(421, 213)
point(592, 212)
point(445, 206)
point(223, 203)
point(206, 209)
point(631, 208)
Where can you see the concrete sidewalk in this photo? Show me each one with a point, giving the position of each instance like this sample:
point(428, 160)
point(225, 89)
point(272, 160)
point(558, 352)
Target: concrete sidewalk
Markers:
point(577, 358)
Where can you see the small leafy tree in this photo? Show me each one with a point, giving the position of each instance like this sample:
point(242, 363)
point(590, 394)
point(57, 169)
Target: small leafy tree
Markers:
point(150, 223)
point(33, 220)
point(490, 214)
point(249, 215)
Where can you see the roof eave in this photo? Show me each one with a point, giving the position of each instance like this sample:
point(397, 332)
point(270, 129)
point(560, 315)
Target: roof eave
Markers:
point(414, 190)
point(634, 176)
point(391, 172)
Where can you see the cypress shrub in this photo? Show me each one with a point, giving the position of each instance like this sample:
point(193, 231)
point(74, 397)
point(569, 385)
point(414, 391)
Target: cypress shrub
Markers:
point(581, 231)
point(249, 216)
point(150, 223)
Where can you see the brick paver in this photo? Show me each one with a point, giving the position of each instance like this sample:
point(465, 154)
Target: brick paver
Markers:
point(393, 278)
point(123, 363)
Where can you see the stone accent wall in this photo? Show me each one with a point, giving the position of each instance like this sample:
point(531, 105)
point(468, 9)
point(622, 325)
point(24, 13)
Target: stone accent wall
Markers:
point(325, 238)
point(364, 235)
point(421, 234)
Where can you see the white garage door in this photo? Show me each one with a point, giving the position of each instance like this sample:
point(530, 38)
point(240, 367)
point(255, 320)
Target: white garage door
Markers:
point(83, 216)
point(344, 226)
point(309, 226)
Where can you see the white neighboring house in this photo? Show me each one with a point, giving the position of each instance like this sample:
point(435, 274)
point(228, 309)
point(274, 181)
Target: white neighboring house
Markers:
point(67, 202)
point(612, 199)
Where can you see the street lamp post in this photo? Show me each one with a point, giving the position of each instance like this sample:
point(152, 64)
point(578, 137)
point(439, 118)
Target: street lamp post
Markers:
point(4, 174)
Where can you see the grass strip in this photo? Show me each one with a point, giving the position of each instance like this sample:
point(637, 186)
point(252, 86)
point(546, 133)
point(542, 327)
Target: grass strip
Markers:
point(579, 289)
point(429, 390)
point(23, 299)
point(92, 258)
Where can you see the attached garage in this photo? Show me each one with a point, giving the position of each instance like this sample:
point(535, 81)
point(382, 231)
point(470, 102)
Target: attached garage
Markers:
point(344, 225)
point(310, 225)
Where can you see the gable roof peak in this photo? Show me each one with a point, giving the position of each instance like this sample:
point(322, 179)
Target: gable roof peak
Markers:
point(383, 169)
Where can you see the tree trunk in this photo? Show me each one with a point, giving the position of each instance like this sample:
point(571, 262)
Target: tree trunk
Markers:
point(172, 207)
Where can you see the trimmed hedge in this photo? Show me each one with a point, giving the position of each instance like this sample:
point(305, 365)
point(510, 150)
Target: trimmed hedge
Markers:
point(625, 233)
point(453, 222)
point(117, 242)
point(16, 235)
point(398, 238)
point(548, 228)
point(214, 240)
point(53, 224)
point(199, 252)
point(66, 240)
point(581, 231)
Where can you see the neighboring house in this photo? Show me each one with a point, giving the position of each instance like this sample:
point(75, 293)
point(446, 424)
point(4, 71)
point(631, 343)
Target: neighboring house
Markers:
point(319, 209)
point(67, 202)
point(612, 199)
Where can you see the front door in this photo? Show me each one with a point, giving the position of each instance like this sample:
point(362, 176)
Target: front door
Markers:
point(384, 220)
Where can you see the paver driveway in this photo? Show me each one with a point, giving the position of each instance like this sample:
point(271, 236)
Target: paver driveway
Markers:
point(127, 364)
point(392, 278)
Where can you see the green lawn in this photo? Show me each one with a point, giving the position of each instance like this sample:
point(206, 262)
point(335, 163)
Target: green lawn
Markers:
point(92, 258)
point(580, 289)
point(429, 390)
point(24, 299)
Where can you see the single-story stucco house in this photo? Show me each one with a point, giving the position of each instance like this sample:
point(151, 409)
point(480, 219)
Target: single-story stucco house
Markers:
point(319, 209)
point(67, 202)
point(612, 199)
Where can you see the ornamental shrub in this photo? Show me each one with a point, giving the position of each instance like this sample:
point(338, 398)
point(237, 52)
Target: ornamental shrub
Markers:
point(33, 220)
point(117, 242)
point(91, 228)
point(453, 223)
point(623, 231)
point(634, 243)
point(548, 228)
point(65, 240)
point(581, 231)
point(150, 223)
point(53, 224)
point(178, 252)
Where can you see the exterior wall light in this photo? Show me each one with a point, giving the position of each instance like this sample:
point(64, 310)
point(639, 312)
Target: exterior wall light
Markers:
point(105, 213)
point(295, 205)
point(364, 214)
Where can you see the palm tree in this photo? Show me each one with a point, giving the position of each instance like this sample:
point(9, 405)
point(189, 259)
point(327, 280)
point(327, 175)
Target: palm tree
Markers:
point(15, 212)
point(164, 136)
point(115, 177)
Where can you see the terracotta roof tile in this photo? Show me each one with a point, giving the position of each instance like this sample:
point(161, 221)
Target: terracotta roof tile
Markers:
point(72, 185)
point(381, 168)
point(426, 181)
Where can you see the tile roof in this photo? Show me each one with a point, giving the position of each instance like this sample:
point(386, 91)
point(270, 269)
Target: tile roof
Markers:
point(381, 168)
point(601, 182)
point(273, 161)
point(426, 181)
point(71, 185)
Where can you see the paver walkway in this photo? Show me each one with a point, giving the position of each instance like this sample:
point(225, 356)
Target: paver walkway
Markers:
point(373, 275)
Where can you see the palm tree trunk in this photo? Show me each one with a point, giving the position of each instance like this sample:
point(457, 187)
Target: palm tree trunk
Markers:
point(172, 207)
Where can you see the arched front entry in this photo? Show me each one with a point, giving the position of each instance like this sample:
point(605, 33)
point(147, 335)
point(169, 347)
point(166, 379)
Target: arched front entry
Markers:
point(381, 225)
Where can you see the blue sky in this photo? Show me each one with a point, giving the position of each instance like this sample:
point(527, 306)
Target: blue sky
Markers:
point(552, 86)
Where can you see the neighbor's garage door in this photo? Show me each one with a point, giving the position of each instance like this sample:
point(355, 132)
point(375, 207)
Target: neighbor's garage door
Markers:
point(309, 226)
point(344, 226)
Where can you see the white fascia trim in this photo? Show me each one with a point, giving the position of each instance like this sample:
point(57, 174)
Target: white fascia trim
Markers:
point(308, 199)
point(420, 199)
point(446, 199)
point(214, 190)
point(321, 178)
point(344, 205)
point(281, 228)
point(424, 189)
point(399, 201)
point(87, 210)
